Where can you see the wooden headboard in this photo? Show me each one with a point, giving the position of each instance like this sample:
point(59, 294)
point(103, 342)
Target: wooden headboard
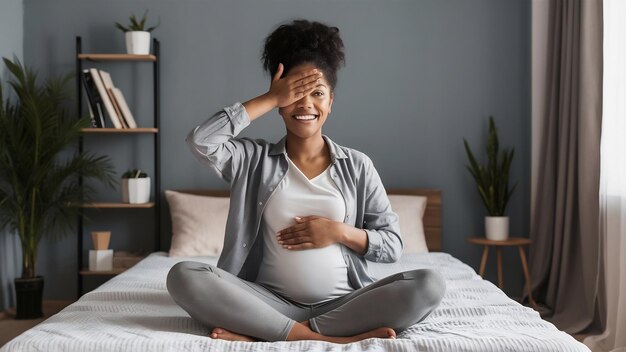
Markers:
point(432, 216)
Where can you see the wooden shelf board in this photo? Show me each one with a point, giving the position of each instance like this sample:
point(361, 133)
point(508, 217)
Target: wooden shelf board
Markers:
point(116, 57)
point(117, 205)
point(121, 130)
point(113, 272)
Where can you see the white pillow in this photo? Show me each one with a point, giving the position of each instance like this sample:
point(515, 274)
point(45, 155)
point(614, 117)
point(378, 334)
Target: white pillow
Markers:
point(411, 210)
point(198, 223)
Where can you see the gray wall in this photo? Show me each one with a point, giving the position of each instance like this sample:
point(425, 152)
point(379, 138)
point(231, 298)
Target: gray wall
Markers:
point(420, 76)
point(12, 29)
point(11, 46)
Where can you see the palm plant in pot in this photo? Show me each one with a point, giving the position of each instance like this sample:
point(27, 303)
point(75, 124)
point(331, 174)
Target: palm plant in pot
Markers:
point(39, 177)
point(137, 35)
point(492, 182)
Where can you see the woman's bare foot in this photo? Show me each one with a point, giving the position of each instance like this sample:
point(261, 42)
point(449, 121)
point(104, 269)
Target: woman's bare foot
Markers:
point(223, 334)
point(302, 331)
point(381, 333)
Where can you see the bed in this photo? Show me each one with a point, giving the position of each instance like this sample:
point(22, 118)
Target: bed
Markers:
point(134, 312)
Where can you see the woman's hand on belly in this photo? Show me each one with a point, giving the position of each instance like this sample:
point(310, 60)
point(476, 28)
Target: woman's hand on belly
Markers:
point(311, 232)
point(317, 232)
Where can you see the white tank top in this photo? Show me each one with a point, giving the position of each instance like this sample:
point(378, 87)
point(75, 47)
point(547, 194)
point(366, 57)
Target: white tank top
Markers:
point(312, 275)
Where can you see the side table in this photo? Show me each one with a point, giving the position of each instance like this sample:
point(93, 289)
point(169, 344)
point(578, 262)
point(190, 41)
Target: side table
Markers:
point(511, 241)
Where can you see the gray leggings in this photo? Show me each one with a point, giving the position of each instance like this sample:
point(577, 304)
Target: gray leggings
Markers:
point(217, 298)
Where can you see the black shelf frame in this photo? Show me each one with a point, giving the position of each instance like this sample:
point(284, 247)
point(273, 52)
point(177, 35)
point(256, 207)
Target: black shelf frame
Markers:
point(156, 68)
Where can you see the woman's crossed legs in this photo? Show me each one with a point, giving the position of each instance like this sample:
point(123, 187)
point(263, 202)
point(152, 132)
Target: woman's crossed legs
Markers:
point(237, 309)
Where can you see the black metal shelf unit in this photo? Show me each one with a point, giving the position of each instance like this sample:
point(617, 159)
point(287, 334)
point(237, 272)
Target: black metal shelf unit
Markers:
point(157, 139)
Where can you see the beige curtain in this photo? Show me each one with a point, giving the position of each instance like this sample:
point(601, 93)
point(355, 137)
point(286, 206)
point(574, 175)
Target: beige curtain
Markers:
point(613, 178)
point(564, 258)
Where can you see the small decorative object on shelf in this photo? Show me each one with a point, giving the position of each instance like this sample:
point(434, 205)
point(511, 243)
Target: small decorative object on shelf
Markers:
point(492, 182)
point(135, 187)
point(101, 239)
point(101, 257)
point(137, 38)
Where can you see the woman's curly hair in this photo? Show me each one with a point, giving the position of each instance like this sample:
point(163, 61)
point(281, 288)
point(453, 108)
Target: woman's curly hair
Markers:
point(301, 42)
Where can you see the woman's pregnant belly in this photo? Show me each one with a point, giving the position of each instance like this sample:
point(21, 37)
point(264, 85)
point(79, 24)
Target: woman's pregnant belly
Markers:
point(311, 275)
point(306, 276)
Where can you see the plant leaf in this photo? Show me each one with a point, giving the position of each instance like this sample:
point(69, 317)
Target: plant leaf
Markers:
point(155, 26)
point(492, 179)
point(143, 20)
point(121, 27)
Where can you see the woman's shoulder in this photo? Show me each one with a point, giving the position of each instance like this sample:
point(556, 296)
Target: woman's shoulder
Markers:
point(357, 159)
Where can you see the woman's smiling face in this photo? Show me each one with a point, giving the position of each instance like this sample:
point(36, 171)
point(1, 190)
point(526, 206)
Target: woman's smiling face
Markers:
point(306, 116)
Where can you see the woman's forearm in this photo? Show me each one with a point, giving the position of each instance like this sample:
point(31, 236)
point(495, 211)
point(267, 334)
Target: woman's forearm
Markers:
point(259, 106)
point(355, 239)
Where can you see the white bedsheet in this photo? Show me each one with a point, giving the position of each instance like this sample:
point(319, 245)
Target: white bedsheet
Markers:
point(134, 312)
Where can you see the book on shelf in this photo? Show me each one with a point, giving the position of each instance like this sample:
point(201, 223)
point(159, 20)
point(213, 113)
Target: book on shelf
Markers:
point(93, 118)
point(108, 104)
point(108, 84)
point(93, 97)
point(94, 124)
point(117, 108)
point(121, 102)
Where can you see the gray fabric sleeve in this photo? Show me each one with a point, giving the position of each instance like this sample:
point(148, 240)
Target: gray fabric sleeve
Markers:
point(380, 222)
point(213, 142)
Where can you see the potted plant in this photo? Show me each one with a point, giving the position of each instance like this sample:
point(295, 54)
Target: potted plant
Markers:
point(39, 179)
point(137, 36)
point(492, 182)
point(135, 187)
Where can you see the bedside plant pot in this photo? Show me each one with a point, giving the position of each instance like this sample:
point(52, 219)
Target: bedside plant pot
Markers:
point(497, 228)
point(28, 293)
point(138, 42)
point(136, 190)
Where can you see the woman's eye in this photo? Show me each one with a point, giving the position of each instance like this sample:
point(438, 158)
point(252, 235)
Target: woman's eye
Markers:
point(318, 93)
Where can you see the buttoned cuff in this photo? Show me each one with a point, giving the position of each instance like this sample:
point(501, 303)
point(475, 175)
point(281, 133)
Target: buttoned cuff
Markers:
point(374, 245)
point(238, 117)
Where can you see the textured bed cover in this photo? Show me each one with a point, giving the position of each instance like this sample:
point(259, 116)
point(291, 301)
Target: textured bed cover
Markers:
point(134, 312)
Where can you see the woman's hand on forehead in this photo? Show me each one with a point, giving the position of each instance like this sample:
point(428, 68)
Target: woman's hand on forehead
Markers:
point(289, 89)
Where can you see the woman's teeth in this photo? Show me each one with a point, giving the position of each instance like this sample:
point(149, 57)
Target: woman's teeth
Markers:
point(305, 117)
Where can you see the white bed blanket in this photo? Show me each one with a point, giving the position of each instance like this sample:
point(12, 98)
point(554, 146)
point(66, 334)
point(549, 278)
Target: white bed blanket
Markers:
point(134, 312)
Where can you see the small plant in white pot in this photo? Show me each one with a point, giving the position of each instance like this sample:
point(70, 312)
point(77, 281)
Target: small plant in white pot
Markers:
point(492, 182)
point(137, 36)
point(135, 187)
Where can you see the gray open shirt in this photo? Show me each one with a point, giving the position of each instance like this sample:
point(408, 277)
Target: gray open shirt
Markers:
point(254, 168)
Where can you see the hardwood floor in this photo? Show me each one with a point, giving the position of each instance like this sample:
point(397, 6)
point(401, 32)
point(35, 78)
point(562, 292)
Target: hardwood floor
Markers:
point(10, 328)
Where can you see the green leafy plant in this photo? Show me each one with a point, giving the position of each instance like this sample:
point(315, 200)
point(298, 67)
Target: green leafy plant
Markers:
point(492, 180)
point(137, 25)
point(39, 178)
point(134, 173)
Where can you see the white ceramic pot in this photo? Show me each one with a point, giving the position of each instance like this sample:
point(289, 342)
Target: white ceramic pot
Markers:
point(138, 42)
point(497, 228)
point(136, 190)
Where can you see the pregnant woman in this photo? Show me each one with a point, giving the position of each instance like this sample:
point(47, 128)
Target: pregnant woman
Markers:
point(306, 214)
